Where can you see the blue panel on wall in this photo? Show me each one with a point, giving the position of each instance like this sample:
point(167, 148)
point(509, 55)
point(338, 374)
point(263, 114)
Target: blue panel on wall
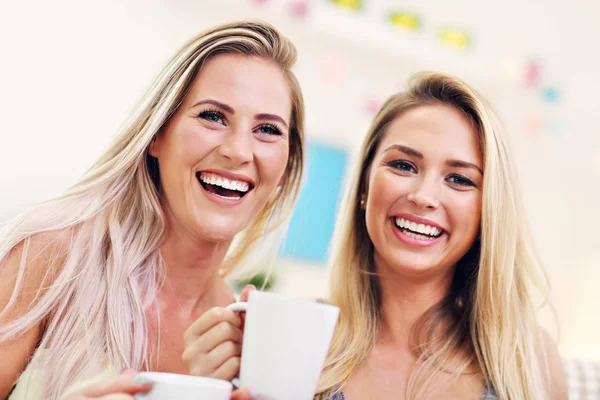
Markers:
point(312, 222)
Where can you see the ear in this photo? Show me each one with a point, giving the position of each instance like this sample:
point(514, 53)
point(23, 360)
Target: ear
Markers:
point(363, 201)
point(282, 180)
point(153, 149)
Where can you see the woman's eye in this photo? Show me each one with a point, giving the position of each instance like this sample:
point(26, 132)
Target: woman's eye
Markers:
point(213, 116)
point(269, 129)
point(402, 165)
point(460, 180)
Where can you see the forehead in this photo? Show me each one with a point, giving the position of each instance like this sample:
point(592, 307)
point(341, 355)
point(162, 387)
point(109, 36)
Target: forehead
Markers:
point(436, 131)
point(251, 83)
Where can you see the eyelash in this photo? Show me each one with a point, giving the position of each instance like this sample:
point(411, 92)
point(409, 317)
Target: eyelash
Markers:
point(455, 179)
point(206, 114)
point(274, 130)
point(465, 181)
point(211, 112)
point(399, 164)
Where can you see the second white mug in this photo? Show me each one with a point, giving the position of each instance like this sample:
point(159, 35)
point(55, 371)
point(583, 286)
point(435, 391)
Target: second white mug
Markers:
point(169, 386)
point(285, 344)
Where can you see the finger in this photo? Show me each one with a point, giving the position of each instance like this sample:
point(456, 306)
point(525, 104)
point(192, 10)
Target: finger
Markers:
point(243, 394)
point(244, 297)
point(246, 292)
point(208, 320)
point(126, 383)
point(223, 352)
point(228, 370)
point(117, 396)
point(196, 355)
point(220, 333)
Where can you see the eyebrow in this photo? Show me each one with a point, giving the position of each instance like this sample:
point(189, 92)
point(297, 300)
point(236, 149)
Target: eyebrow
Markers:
point(406, 150)
point(215, 103)
point(463, 164)
point(271, 117)
point(452, 163)
point(225, 107)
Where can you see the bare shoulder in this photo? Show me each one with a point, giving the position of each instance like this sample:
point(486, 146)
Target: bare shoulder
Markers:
point(551, 367)
point(34, 263)
point(28, 269)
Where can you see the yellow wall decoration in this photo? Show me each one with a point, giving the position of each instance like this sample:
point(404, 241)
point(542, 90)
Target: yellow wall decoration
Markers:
point(405, 20)
point(350, 4)
point(455, 38)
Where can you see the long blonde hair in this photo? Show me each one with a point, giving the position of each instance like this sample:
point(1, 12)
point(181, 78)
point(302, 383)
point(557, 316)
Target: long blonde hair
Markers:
point(489, 307)
point(113, 225)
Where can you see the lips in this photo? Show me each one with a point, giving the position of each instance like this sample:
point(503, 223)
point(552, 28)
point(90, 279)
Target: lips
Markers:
point(225, 187)
point(416, 231)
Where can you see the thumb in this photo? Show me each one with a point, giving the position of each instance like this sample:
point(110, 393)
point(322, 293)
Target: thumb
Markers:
point(246, 292)
point(243, 394)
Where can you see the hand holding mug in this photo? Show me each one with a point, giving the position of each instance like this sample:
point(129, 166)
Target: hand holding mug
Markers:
point(124, 386)
point(213, 344)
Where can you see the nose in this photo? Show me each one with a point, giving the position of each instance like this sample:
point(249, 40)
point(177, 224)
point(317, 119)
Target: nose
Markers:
point(237, 147)
point(425, 194)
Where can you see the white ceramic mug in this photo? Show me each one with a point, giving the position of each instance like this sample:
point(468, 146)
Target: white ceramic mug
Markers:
point(285, 344)
point(184, 387)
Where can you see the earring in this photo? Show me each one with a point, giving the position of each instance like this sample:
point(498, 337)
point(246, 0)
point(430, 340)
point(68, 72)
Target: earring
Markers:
point(362, 202)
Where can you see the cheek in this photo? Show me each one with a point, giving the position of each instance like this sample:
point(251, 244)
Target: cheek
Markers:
point(185, 146)
point(467, 214)
point(195, 144)
point(272, 160)
point(385, 189)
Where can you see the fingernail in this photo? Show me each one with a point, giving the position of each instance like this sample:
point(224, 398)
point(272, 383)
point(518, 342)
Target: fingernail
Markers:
point(253, 394)
point(123, 370)
point(141, 380)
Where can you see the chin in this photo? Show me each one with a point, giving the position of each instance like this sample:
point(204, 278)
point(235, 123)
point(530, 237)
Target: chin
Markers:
point(218, 235)
point(414, 265)
point(219, 230)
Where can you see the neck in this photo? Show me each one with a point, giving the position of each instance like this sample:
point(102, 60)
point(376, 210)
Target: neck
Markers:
point(192, 270)
point(405, 300)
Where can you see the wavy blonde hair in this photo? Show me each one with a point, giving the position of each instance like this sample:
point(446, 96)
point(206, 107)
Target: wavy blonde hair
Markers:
point(490, 306)
point(114, 224)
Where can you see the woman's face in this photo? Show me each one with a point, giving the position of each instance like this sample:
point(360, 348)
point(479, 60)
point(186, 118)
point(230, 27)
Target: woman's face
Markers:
point(224, 152)
point(423, 206)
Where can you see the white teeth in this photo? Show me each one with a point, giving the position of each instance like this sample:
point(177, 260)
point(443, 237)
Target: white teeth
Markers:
point(422, 230)
point(211, 179)
point(417, 236)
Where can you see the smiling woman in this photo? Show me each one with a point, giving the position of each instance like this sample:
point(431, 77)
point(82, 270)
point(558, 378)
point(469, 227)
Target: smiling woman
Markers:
point(434, 269)
point(427, 173)
point(227, 145)
point(111, 274)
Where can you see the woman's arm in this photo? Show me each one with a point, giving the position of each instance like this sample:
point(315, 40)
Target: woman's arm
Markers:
point(45, 255)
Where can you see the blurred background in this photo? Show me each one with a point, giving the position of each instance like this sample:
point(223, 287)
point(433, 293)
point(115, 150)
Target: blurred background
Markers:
point(70, 71)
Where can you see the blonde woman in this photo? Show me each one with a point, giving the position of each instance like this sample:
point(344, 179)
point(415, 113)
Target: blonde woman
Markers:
point(111, 274)
point(434, 269)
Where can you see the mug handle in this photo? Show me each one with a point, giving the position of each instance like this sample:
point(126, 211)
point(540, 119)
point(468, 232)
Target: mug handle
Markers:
point(238, 307)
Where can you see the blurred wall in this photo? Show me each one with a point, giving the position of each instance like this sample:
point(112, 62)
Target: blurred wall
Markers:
point(71, 71)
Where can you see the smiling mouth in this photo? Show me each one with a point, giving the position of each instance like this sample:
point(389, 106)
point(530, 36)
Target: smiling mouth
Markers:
point(223, 187)
point(417, 231)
